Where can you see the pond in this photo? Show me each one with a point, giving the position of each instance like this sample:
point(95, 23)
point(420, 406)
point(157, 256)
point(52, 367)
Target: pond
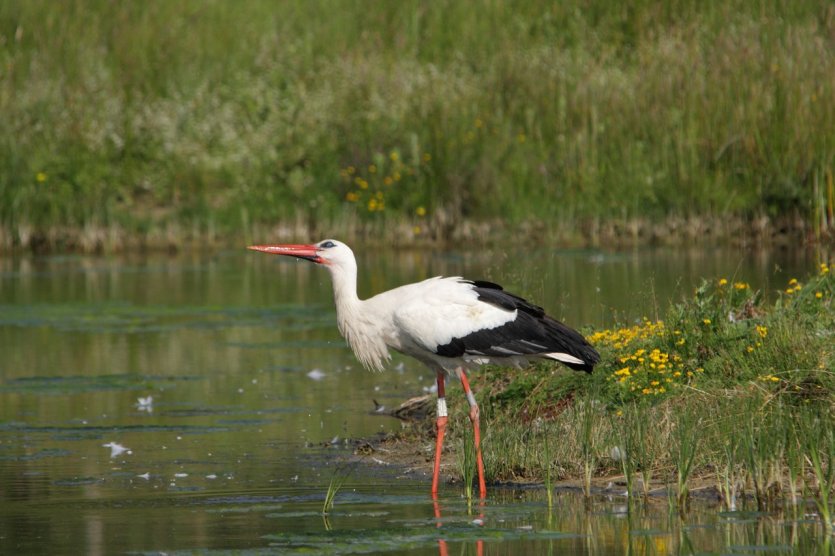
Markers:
point(201, 402)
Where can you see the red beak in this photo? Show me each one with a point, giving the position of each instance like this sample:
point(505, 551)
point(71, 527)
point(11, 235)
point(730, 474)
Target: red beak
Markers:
point(307, 252)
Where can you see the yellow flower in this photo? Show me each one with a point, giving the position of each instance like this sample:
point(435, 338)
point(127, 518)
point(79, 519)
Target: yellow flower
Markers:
point(762, 331)
point(388, 180)
point(395, 156)
point(818, 295)
point(824, 268)
point(749, 349)
point(351, 170)
point(723, 281)
point(372, 168)
point(793, 281)
point(706, 321)
point(352, 196)
point(420, 211)
point(740, 286)
point(40, 177)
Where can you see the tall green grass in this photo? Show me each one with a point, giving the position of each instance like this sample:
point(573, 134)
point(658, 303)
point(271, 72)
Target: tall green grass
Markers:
point(729, 391)
point(206, 119)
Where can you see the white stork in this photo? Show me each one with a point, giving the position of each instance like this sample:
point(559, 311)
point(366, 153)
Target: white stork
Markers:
point(449, 324)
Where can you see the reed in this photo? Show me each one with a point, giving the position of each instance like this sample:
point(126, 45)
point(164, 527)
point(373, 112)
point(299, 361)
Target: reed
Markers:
point(646, 443)
point(336, 483)
point(626, 438)
point(795, 462)
point(760, 447)
point(548, 464)
point(726, 457)
point(467, 462)
point(820, 450)
point(685, 444)
point(588, 433)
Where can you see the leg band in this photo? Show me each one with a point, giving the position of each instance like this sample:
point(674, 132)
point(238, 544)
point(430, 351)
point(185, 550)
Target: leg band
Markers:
point(442, 407)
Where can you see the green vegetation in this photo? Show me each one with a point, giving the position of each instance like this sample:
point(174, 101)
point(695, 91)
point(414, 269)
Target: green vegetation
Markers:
point(161, 122)
point(340, 475)
point(728, 391)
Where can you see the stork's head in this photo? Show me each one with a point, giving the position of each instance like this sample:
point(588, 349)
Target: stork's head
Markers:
point(327, 252)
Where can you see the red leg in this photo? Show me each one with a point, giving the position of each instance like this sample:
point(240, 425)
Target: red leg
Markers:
point(482, 488)
point(439, 439)
point(442, 547)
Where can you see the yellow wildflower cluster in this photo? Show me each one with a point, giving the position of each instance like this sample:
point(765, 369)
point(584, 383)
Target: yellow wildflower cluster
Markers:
point(643, 370)
point(769, 378)
point(371, 186)
point(824, 268)
point(737, 285)
point(794, 286)
point(622, 337)
point(762, 332)
point(650, 372)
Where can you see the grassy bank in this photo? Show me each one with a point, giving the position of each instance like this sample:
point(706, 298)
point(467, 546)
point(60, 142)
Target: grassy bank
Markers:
point(162, 122)
point(725, 390)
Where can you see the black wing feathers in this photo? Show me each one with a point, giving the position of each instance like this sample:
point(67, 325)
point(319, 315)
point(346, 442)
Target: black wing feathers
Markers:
point(531, 333)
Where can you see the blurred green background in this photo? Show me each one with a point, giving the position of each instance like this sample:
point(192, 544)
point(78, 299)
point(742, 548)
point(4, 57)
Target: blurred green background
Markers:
point(165, 123)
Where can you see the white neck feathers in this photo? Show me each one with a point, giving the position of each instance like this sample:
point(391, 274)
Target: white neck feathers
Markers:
point(356, 325)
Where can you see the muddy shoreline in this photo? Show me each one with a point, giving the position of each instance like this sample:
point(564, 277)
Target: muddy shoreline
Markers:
point(787, 231)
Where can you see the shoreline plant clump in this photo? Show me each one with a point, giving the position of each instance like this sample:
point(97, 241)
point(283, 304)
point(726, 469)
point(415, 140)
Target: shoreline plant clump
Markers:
point(729, 392)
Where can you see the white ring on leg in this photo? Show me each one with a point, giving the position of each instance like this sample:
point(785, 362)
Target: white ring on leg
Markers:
point(442, 407)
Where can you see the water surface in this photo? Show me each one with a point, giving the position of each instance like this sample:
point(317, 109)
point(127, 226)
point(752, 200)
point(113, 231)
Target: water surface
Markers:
point(254, 393)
